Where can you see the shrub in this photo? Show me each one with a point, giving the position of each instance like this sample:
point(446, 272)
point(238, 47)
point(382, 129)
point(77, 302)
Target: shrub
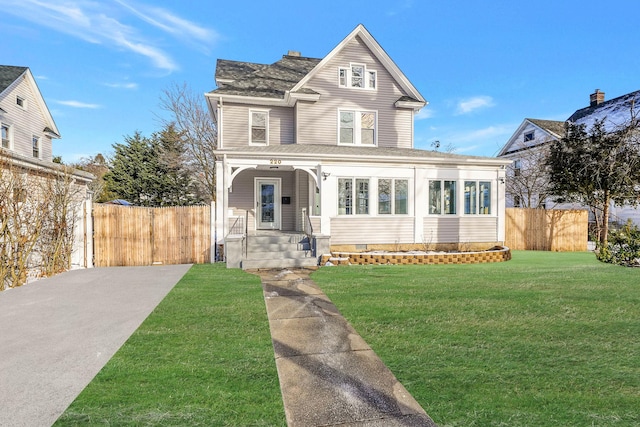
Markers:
point(623, 246)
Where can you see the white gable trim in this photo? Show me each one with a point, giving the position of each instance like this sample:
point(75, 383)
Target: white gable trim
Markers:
point(51, 124)
point(380, 54)
point(515, 138)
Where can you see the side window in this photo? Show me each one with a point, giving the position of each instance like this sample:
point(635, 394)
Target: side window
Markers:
point(477, 197)
point(6, 136)
point(35, 142)
point(259, 124)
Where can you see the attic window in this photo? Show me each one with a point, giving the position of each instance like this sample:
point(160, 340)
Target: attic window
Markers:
point(357, 76)
point(529, 136)
point(21, 102)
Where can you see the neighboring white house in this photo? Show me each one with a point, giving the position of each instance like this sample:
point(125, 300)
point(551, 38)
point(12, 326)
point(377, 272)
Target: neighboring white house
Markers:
point(533, 135)
point(326, 146)
point(526, 180)
point(27, 133)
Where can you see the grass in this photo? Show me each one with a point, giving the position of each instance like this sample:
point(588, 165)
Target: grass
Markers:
point(203, 357)
point(547, 339)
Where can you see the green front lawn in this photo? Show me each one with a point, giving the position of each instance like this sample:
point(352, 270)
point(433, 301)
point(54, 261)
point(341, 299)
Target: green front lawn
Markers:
point(547, 339)
point(203, 357)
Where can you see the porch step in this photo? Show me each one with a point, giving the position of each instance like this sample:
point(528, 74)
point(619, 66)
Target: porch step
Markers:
point(278, 251)
point(250, 264)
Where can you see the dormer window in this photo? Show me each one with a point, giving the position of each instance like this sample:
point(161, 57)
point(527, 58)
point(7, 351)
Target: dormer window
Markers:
point(357, 76)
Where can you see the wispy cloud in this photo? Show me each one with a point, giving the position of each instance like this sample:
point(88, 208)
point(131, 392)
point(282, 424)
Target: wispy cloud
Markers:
point(122, 85)
point(469, 105)
point(110, 24)
point(400, 7)
point(425, 113)
point(78, 104)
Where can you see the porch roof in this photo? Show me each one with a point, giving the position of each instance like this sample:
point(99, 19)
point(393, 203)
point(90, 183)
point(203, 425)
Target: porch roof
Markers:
point(354, 153)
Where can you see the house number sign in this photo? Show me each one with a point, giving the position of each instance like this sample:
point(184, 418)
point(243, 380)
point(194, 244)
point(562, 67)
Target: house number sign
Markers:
point(275, 161)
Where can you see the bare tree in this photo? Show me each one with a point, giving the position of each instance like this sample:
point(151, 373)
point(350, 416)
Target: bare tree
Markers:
point(192, 119)
point(527, 182)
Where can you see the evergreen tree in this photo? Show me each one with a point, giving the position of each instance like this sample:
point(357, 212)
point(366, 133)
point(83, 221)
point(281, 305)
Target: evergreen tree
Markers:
point(597, 167)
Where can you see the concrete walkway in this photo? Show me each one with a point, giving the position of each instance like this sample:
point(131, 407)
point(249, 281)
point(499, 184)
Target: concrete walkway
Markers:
point(329, 376)
point(57, 333)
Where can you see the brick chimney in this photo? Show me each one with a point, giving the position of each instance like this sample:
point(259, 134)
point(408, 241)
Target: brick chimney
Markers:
point(596, 98)
point(293, 53)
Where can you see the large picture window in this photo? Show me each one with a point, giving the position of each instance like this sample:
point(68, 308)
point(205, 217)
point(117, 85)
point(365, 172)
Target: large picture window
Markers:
point(353, 196)
point(357, 127)
point(477, 197)
point(442, 197)
point(259, 124)
point(393, 196)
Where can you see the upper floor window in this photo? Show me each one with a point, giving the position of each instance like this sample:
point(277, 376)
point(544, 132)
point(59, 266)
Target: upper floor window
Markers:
point(393, 196)
point(477, 197)
point(259, 127)
point(357, 127)
point(442, 197)
point(21, 102)
point(528, 136)
point(353, 196)
point(357, 76)
point(6, 136)
point(517, 167)
point(35, 142)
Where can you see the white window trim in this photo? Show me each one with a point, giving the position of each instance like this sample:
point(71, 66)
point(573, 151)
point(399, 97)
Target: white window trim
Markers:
point(39, 139)
point(442, 197)
point(260, 144)
point(365, 77)
point(20, 99)
point(354, 196)
point(357, 127)
point(9, 136)
point(393, 197)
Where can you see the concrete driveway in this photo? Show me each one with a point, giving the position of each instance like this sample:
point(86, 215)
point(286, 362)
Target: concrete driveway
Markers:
point(57, 333)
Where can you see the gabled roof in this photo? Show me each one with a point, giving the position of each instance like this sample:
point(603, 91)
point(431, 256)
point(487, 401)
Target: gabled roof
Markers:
point(617, 111)
point(380, 54)
point(552, 128)
point(9, 74)
point(261, 80)
point(284, 80)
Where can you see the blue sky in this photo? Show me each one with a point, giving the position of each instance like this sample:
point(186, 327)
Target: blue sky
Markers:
point(101, 65)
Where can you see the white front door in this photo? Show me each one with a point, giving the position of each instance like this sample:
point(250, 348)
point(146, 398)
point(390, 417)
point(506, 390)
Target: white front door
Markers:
point(268, 203)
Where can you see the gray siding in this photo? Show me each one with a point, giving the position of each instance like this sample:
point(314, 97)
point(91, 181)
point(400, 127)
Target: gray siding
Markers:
point(25, 123)
point(242, 198)
point(460, 229)
point(371, 230)
point(318, 122)
point(235, 126)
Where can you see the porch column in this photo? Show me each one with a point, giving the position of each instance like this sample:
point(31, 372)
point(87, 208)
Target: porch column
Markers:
point(328, 199)
point(221, 191)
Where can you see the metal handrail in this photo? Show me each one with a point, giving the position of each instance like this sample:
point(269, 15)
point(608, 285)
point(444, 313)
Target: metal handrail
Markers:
point(308, 226)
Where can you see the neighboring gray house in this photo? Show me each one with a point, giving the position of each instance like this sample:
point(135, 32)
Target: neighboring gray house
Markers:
point(325, 146)
point(532, 135)
point(26, 147)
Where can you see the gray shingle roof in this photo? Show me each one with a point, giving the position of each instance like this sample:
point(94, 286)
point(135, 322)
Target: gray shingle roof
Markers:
point(318, 151)
point(620, 106)
point(9, 74)
point(262, 80)
point(553, 126)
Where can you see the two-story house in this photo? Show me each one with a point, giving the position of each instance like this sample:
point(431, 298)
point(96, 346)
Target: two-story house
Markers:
point(527, 180)
point(325, 147)
point(26, 149)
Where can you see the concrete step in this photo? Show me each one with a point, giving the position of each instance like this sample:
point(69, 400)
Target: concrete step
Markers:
point(278, 254)
point(277, 247)
point(279, 238)
point(250, 264)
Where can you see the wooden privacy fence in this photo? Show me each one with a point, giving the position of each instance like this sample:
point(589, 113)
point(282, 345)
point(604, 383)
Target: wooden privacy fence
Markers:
point(546, 229)
point(135, 236)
